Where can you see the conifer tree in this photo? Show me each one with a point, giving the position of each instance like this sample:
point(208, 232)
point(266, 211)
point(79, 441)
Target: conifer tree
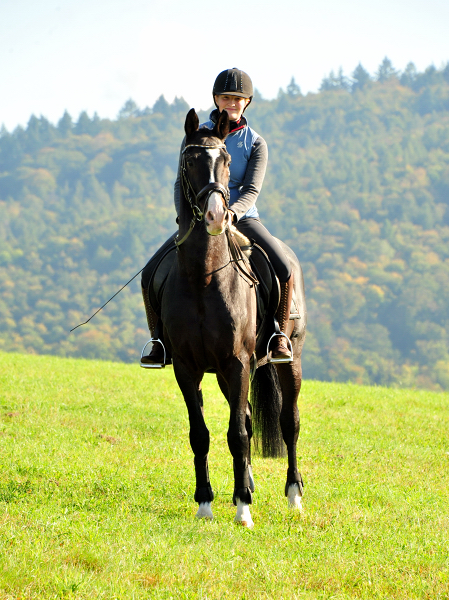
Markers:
point(409, 75)
point(293, 88)
point(361, 78)
point(386, 70)
point(65, 124)
point(129, 110)
point(161, 106)
point(84, 123)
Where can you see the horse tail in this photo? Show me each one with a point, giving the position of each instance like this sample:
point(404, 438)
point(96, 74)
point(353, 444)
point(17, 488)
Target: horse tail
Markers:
point(266, 402)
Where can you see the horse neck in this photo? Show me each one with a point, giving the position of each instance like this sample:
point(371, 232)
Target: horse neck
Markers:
point(201, 254)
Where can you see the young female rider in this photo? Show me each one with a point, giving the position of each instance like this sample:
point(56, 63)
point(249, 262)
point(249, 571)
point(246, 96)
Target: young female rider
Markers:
point(232, 92)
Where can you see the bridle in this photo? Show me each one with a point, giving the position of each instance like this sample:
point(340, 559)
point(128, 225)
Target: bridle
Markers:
point(198, 215)
point(192, 197)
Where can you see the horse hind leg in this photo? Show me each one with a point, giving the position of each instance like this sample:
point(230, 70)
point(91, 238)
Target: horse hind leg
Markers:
point(290, 381)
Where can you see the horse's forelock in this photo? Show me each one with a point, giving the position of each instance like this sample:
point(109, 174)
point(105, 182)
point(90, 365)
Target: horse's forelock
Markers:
point(205, 137)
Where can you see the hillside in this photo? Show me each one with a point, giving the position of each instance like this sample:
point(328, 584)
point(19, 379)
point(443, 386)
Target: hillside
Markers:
point(358, 185)
point(97, 485)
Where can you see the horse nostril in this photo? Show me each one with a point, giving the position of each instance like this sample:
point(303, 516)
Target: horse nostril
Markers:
point(210, 216)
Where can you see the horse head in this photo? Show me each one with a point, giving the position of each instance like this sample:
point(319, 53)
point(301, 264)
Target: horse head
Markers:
point(205, 171)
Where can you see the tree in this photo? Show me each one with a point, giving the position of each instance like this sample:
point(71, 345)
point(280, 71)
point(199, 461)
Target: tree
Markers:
point(84, 124)
point(33, 134)
point(129, 110)
point(65, 124)
point(161, 106)
point(335, 82)
point(361, 78)
point(386, 71)
point(293, 88)
point(180, 105)
point(409, 75)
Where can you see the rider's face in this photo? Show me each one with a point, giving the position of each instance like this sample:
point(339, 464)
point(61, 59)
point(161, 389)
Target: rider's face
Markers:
point(233, 105)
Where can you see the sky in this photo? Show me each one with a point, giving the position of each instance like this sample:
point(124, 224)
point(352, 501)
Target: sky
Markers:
point(93, 55)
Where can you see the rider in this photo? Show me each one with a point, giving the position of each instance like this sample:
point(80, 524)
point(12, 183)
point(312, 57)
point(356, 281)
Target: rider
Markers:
point(233, 92)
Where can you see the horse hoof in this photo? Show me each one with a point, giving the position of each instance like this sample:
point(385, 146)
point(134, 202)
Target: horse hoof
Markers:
point(243, 516)
point(294, 497)
point(204, 511)
point(246, 524)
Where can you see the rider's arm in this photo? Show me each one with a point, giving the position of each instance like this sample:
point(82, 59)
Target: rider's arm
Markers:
point(253, 180)
point(177, 195)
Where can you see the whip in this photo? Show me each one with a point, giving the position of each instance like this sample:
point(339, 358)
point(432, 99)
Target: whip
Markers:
point(101, 307)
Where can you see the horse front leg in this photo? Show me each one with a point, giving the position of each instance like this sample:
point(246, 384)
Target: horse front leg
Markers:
point(239, 440)
point(290, 380)
point(199, 437)
point(248, 425)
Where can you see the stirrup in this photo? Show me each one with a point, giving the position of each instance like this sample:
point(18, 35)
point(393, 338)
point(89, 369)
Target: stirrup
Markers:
point(153, 365)
point(290, 347)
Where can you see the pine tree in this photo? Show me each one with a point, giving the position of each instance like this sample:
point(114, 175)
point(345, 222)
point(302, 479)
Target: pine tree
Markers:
point(65, 124)
point(293, 88)
point(335, 82)
point(161, 106)
point(361, 78)
point(84, 124)
point(386, 71)
point(408, 77)
point(129, 110)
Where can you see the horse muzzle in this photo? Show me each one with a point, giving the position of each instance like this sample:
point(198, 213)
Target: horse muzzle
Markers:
point(216, 215)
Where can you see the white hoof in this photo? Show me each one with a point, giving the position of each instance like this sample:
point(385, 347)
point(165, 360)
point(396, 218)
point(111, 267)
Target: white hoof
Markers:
point(243, 516)
point(294, 498)
point(204, 511)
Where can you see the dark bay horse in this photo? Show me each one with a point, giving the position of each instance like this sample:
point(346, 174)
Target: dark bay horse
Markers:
point(209, 315)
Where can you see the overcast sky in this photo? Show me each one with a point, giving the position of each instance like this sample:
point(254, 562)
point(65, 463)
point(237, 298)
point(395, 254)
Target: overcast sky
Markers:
point(95, 54)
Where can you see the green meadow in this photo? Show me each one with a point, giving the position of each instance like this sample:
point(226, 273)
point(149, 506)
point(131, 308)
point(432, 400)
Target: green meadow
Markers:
point(97, 483)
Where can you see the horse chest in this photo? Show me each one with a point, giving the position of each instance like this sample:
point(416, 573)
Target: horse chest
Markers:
point(210, 316)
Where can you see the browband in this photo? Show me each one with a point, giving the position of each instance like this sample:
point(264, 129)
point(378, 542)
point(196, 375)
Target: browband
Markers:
point(203, 146)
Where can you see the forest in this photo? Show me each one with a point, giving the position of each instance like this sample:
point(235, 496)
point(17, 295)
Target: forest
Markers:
point(357, 185)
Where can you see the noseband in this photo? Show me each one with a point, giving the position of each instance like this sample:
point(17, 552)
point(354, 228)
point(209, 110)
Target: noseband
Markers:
point(192, 197)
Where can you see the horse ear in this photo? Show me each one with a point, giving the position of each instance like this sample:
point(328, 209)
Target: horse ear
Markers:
point(192, 123)
point(221, 128)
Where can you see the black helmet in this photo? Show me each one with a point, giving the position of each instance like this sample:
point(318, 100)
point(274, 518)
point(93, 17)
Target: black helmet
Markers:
point(235, 83)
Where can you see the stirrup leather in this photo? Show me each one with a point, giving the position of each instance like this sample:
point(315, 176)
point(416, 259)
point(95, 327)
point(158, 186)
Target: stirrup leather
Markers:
point(153, 365)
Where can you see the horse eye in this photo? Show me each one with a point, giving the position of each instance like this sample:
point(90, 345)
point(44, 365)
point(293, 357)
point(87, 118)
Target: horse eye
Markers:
point(190, 163)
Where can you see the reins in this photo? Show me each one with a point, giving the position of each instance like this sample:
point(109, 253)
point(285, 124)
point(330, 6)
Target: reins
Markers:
point(237, 257)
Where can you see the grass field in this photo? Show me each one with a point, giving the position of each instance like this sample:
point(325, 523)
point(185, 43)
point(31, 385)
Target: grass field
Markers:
point(97, 483)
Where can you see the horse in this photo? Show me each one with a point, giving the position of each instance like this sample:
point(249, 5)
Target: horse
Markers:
point(209, 313)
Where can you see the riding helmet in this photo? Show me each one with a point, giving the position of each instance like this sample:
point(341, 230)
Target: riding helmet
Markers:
point(233, 82)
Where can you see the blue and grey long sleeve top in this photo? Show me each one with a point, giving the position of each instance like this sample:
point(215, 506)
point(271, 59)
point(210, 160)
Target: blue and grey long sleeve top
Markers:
point(249, 157)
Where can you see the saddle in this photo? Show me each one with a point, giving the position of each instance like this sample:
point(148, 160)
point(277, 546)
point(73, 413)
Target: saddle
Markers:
point(267, 289)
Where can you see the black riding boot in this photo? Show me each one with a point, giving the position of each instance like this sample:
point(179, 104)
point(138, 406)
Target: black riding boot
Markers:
point(280, 349)
point(156, 356)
